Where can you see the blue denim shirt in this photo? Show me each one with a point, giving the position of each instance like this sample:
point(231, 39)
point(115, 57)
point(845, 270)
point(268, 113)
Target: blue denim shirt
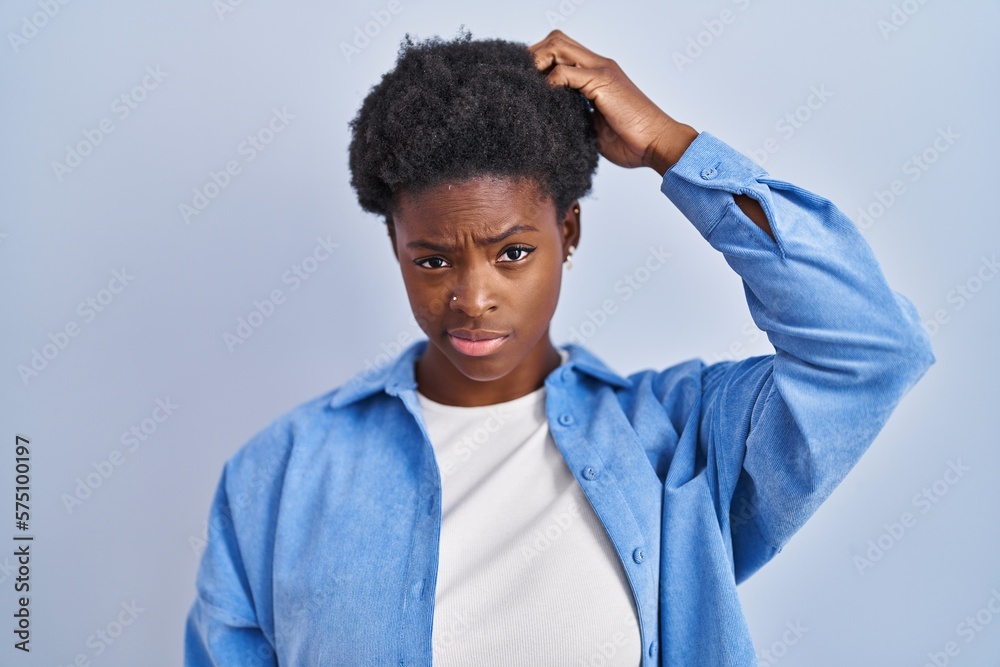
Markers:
point(323, 536)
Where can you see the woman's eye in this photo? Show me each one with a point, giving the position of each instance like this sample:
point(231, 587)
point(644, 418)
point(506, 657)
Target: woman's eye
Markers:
point(515, 253)
point(436, 263)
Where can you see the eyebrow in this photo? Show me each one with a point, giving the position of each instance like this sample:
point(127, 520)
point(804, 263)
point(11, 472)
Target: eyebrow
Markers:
point(484, 242)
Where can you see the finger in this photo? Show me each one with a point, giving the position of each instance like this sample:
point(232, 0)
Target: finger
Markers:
point(605, 135)
point(591, 81)
point(558, 49)
point(560, 52)
point(552, 34)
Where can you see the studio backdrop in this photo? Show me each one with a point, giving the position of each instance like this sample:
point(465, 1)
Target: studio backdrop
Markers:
point(182, 260)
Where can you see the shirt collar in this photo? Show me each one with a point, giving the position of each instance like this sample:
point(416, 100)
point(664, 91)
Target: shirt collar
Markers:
point(398, 375)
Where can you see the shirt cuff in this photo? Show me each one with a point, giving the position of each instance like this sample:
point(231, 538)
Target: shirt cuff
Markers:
point(702, 182)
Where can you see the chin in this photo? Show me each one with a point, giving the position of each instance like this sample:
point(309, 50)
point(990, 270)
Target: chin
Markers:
point(483, 369)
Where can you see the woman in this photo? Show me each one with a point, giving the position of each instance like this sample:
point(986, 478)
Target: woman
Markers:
point(490, 498)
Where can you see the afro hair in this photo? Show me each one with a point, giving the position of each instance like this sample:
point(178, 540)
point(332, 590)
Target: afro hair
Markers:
point(459, 109)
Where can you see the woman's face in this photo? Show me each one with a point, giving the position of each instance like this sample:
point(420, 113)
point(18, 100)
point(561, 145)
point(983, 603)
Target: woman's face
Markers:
point(482, 262)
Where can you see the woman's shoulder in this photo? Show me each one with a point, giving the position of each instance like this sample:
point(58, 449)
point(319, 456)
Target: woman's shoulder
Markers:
point(308, 423)
point(683, 383)
point(267, 451)
point(656, 373)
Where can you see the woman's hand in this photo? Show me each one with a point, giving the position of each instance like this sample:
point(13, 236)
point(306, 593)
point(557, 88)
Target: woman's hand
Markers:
point(631, 130)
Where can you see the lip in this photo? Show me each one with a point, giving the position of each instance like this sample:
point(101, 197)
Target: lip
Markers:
point(476, 342)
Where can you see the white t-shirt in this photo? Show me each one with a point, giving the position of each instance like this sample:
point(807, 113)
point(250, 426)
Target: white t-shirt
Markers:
point(527, 574)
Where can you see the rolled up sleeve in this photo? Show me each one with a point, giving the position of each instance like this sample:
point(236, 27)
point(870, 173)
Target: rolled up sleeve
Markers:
point(784, 430)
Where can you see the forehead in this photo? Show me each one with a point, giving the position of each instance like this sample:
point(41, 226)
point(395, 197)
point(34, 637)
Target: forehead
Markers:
point(482, 201)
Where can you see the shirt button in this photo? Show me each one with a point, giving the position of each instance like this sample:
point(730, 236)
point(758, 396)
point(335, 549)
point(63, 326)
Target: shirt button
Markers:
point(638, 555)
point(566, 372)
point(708, 173)
point(565, 419)
point(652, 649)
point(590, 472)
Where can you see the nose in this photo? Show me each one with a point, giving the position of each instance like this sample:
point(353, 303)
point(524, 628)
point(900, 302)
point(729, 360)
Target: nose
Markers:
point(473, 291)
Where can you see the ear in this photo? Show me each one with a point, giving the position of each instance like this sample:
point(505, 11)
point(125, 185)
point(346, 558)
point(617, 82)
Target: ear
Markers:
point(571, 228)
point(391, 229)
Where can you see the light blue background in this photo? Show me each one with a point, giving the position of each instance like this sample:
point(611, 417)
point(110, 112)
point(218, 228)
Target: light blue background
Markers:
point(135, 538)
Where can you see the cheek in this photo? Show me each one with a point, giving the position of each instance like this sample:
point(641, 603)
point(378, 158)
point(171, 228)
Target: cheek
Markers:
point(542, 296)
point(549, 282)
point(427, 306)
point(427, 315)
